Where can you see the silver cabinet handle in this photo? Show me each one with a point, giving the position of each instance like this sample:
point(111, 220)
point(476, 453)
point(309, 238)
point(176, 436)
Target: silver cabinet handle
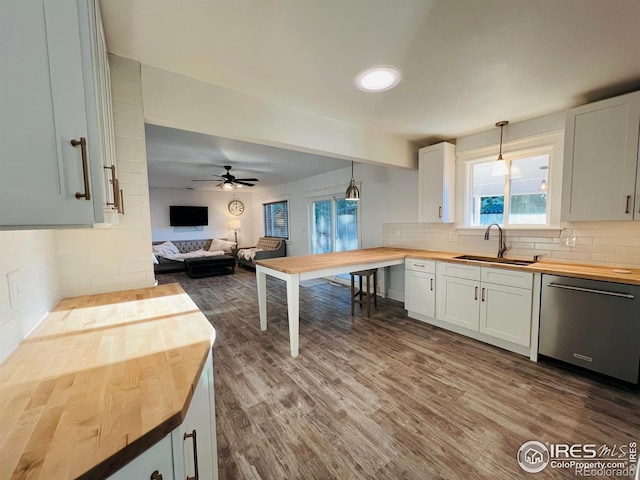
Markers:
point(483, 294)
point(431, 280)
point(195, 454)
point(439, 212)
point(591, 290)
point(626, 210)
point(82, 143)
point(476, 295)
point(121, 201)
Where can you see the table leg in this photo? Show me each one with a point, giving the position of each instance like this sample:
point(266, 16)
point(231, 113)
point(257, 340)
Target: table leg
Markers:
point(293, 304)
point(261, 280)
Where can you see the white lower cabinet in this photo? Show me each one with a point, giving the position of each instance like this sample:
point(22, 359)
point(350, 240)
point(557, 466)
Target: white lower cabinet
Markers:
point(419, 282)
point(458, 301)
point(190, 451)
point(490, 304)
point(154, 464)
point(505, 312)
point(194, 441)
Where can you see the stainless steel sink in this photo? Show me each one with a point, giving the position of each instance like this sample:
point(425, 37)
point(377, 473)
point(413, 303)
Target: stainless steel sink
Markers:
point(508, 261)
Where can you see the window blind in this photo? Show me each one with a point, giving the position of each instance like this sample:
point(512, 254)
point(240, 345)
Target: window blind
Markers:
point(276, 219)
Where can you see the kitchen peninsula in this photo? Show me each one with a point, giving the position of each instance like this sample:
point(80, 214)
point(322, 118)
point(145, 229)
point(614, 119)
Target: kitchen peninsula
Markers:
point(305, 267)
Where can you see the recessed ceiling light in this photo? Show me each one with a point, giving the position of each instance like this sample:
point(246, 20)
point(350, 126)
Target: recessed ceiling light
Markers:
point(378, 79)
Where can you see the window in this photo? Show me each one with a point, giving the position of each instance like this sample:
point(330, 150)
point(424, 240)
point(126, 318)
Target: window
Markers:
point(518, 198)
point(276, 219)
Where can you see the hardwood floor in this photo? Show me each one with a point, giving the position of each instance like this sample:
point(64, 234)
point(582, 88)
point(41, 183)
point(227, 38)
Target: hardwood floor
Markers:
point(385, 397)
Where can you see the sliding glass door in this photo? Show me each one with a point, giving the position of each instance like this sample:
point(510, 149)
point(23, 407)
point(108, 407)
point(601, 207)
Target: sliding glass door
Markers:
point(335, 225)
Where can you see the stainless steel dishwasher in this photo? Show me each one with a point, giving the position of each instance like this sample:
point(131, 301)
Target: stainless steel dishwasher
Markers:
point(591, 324)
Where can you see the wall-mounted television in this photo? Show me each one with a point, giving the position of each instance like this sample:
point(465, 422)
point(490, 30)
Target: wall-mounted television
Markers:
point(181, 216)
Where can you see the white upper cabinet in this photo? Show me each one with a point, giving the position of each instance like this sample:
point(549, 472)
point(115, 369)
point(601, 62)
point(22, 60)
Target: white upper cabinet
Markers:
point(436, 184)
point(600, 161)
point(51, 129)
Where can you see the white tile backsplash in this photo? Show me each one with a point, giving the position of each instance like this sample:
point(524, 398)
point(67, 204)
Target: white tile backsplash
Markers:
point(32, 254)
point(116, 258)
point(597, 243)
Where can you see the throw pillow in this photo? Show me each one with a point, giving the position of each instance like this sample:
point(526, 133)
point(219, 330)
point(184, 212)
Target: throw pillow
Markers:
point(155, 259)
point(218, 244)
point(166, 248)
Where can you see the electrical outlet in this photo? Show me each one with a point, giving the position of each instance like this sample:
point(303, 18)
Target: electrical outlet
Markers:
point(13, 283)
point(570, 241)
point(453, 236)
point(567, 238)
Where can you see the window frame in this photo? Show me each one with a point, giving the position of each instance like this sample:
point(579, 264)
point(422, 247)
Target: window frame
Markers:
point(264, 217)
point(550, 143)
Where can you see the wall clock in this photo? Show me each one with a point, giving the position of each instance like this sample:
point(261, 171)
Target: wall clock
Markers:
point(236, 207)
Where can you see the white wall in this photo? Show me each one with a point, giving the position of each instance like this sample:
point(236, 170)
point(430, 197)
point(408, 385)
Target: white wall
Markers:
point(219, 216)
point(32, 254)
point(387, 195)
point(118, 258)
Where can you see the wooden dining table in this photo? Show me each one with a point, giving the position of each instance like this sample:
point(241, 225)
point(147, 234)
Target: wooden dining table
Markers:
point(293, 270)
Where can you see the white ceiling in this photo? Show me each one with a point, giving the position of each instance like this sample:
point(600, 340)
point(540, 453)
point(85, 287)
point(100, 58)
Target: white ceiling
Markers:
point(176, 158)
point(466, 63)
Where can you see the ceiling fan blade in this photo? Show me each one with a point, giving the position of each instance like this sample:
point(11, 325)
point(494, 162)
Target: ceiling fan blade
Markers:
point(240, 182)
point(212, 180)
point(247, 180)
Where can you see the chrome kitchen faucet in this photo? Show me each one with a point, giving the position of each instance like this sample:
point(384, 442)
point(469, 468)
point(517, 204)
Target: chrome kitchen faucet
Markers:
point(501, 246)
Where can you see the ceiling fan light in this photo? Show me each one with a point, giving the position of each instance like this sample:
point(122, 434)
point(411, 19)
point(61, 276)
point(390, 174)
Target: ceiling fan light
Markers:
point(227, 187)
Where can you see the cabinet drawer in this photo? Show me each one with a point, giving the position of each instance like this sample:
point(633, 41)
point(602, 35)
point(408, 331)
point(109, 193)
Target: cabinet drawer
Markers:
point(427, 266)
point(503, 276)
point(459, 270)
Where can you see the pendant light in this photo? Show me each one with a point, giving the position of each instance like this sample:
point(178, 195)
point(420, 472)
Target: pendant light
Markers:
point(500, 166)
point(543, 184)
point(352, 192)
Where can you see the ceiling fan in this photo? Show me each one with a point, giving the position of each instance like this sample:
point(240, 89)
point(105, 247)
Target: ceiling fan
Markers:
point(230, 182)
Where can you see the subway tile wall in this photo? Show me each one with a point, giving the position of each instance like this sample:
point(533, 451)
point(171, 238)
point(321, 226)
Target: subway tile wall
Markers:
point(597, 243)
point(116, 258)
point(29, 258)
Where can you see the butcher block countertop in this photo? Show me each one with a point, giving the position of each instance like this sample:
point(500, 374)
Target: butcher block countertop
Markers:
point(309, 263)
point(100, 380)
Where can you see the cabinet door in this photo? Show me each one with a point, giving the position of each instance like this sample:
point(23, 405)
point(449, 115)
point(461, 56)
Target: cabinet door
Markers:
point(99, 113)
point(42, 110)
point(158, 458)
point(458, 301)
point(198, 429)
point(436, 184)
point(505, 312)
point(420, 295)
point(601, 152)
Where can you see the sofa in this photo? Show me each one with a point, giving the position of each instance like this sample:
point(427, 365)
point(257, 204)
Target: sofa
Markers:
point(165, 265)
point(267, 247)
